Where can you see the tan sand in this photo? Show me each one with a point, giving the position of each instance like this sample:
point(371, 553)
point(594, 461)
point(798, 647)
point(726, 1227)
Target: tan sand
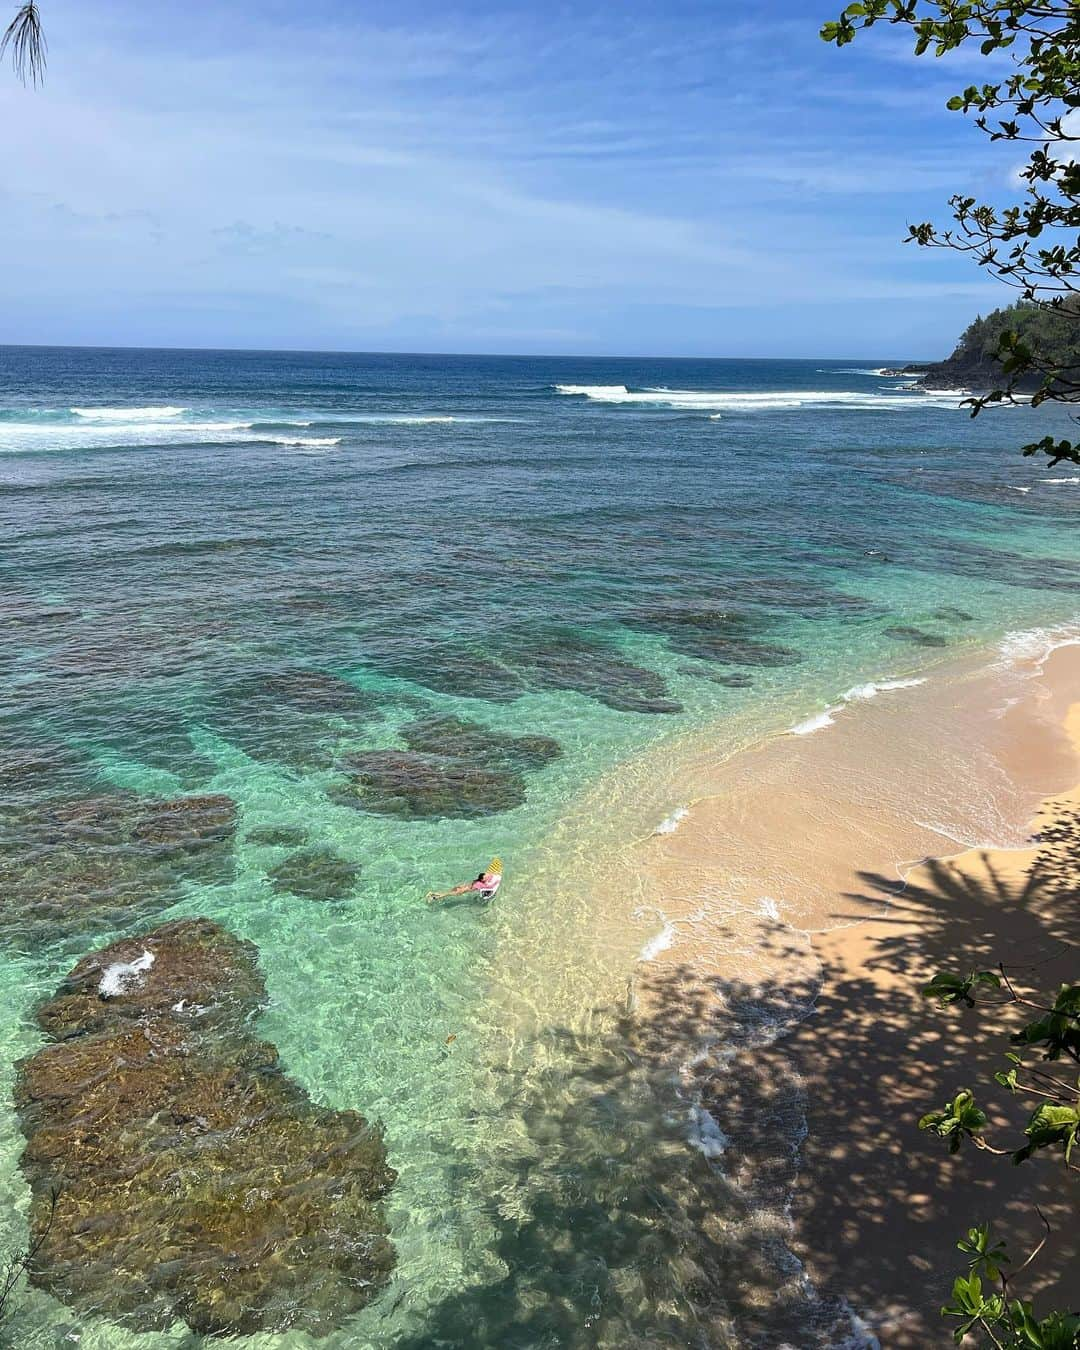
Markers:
point(795, 880)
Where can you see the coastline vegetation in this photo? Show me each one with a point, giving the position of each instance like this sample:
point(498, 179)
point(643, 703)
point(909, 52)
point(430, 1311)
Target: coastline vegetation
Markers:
point(1051, 333)
point(1031, 246)
point(1052, 1036)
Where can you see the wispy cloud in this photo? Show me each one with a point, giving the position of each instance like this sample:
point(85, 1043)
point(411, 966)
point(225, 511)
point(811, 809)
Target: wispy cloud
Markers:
point(465, 177)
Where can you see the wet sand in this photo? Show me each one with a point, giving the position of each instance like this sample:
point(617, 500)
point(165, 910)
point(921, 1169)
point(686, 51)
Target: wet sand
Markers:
point(812, 886)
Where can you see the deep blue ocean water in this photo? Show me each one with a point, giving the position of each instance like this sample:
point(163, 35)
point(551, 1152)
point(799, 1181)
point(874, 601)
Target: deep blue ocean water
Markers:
point(293, 577)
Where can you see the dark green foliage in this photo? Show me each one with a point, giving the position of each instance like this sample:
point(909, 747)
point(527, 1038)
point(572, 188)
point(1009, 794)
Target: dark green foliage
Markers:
point(1051, 333)
point(956, 1120)
point(1018, 350)
point(948, 988)
point(1058, 1032)
point(1009, 1324)
point(1052, 1127)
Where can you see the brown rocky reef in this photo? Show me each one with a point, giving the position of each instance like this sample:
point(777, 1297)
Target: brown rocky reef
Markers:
point(294, 718)
point(73, 866)
point(195, 1180)
point(452, 769)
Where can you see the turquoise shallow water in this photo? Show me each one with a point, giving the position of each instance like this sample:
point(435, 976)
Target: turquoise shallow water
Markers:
point(613, 555)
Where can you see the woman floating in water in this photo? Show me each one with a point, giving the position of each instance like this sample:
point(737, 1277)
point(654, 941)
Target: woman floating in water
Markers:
point(485, 885)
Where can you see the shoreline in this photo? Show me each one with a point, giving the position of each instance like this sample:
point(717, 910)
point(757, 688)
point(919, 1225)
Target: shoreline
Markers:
point(804, 899)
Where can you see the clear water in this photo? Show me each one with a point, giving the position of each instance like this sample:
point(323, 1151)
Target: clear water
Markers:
point(460, 536)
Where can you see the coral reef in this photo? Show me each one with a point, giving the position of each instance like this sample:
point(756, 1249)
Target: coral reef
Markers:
point(195, 1179)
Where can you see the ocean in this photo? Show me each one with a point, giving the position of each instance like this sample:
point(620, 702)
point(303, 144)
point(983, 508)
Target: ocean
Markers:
point(406, 612)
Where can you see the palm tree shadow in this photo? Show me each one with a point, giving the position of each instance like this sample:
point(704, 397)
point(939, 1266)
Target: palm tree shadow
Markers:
point(627, 1218)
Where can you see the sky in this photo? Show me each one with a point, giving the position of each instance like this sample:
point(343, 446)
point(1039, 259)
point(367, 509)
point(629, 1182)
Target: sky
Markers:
point(634, 179)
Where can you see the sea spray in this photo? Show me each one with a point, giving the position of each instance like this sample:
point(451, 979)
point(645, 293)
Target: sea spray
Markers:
point(122, 976)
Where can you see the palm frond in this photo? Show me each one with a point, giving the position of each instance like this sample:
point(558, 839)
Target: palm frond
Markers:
point(26, 38)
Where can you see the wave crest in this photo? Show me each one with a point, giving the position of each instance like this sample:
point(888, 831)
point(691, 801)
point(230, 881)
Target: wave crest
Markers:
point(148, 414)
point(778, 400)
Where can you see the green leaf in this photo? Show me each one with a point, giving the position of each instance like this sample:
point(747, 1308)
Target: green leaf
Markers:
point(958, 1120)
point(1050, 1126)
point(948, 988)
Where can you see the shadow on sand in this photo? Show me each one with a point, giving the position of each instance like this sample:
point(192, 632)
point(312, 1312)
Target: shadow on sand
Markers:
point(613, 1230)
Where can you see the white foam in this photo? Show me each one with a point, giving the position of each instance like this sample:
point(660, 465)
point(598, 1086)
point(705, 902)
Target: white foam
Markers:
point(858, 693)
point(852, 370)
point(433, 419)
point(862, 692)
point(122, 975)
point(660, 943)
point(705, 1134)
point(812, 724)
point(1061, 480)
point(720, 401)
point(612, 391)
point(1032, 646)
point(861, 1338)
point(424, 419)
point(769, 909)
point(149, 414)
point(671, 823)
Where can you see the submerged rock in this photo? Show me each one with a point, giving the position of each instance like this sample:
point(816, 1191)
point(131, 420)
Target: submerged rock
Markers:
point(72, 866)
point(291, 717)
point(29, 769)
point(143, 732)
point(315, 874)
point(802, 598)
point(453, 768)
point(194, 1179)
point(277, 836)
point(459, 669)
point(317, 691)
point(416, 786)
point(503, 671)
point(735, 679)
point(714, 635)
point(456, 738)
point(566, 661)
point(906, 633)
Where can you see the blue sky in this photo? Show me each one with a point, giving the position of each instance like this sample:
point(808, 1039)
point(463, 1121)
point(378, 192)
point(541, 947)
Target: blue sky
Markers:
point(698, 179)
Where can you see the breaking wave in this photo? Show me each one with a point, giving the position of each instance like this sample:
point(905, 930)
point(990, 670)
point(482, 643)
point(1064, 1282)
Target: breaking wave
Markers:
point(734, 401)
point(858, 693)
point(1032, 646)
point(128, 414)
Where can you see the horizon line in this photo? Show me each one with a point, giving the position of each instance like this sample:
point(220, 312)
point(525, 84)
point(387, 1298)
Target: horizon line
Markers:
point(478, 356)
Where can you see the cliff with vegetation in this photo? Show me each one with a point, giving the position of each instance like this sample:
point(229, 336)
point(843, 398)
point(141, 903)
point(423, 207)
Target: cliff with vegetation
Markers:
point(1052, 335)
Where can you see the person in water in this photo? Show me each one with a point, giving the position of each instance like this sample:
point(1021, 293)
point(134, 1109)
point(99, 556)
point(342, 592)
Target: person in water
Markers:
point(486, 884)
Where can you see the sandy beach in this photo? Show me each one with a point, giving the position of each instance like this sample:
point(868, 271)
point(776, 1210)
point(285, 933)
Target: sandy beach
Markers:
point(812, 886)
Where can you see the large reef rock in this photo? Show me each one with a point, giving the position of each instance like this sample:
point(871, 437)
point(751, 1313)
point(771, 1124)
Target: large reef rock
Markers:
point(561, 659)
point(459, 739)
point(713, 635)
point(294, 718)
point(194, 1180)
point(453, 768)
point(69, 867)
point(426, 787)
point(315, 874)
